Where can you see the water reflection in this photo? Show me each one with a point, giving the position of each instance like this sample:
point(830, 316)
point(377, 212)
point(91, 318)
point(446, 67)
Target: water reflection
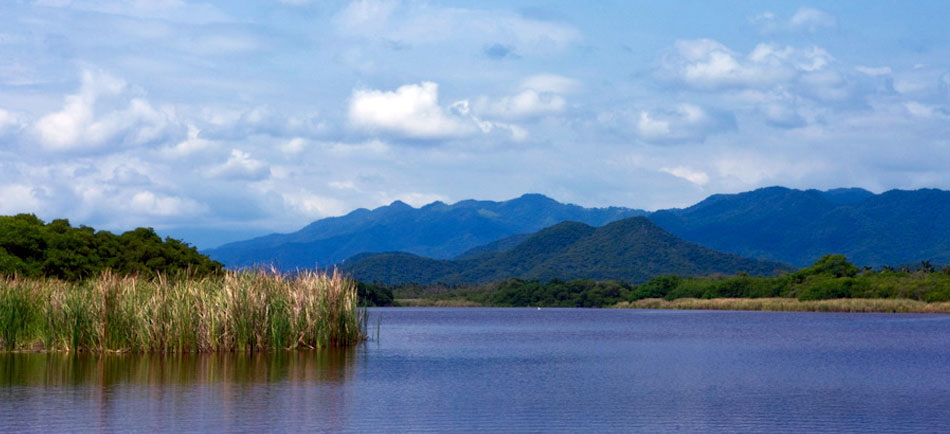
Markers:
point(60, 369)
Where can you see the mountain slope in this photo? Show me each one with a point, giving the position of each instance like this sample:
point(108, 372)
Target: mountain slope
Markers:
point(798, 227)
point(437, 230)
point(632, 249)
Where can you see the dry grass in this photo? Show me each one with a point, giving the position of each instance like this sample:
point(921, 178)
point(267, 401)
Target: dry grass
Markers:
point(879, 305)
point(239, 311)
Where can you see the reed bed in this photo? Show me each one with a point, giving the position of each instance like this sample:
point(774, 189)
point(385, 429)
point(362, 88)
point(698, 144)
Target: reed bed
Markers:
point(869, 305)
point(236, 311)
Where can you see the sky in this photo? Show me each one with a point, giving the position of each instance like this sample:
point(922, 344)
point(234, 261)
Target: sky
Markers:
point(213, 121)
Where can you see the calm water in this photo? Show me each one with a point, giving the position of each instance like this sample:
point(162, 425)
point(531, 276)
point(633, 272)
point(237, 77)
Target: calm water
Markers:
point(523, 370)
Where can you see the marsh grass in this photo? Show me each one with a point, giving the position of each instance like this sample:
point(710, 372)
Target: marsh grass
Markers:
point(870, 305)
point(237, 311)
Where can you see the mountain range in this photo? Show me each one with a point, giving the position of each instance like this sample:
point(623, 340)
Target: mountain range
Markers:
point(437, 230)
point(632, 250)
point(775, 223)
point(896, 227)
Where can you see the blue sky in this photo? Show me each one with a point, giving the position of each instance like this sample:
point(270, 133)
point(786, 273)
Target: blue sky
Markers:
point(217, 120)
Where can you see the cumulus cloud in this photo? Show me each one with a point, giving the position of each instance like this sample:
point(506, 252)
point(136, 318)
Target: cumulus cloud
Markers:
point(241, 122)
point(526, 104)
point(708, 64)
point(241, 166)
point(193, 144)
point(681, 123)
point(538, 95)
point(411, 111)
point(103, 113)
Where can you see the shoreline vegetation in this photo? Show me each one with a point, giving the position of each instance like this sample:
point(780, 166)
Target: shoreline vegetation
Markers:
point(771, 304)
point(232, 311)
point(832, 284)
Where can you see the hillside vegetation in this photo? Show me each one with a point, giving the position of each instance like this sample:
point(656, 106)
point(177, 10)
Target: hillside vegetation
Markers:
point(797, 227)
point(31, 248)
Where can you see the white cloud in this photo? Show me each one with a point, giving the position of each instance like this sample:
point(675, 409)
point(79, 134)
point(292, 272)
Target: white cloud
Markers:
point(805, 19)
point(812, 20)
point(538, 95)
point(147, 202)
point(241, 166)
point(526, 104)
point(193, 144)
point(9, 123)
point(681, 123)
point(18, 198)
point(697, 177)
point(313, 205)
point(926, 110)
point(295, 145)
point(411, 111)
point(708, 64)
point(102, 114)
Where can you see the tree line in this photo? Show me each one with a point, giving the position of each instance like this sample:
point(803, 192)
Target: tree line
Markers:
point(831, 277)
point(31, 248)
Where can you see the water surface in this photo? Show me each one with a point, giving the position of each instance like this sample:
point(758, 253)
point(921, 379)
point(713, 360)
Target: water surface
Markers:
point(525, 370)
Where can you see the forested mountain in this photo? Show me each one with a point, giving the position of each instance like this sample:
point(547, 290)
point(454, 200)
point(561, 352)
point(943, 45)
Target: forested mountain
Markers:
point(798, 227)
point(791, 226)
point(632, 250)
point(31, 248)
point(436, 230)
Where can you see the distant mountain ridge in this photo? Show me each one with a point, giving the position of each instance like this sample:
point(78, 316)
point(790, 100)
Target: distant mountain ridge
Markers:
point(436, 230)
point(775, 223)
point(633, 250)
point(798, 227)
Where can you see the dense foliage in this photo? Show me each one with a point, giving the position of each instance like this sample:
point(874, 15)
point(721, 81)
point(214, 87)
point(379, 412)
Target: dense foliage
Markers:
point(374, 295)
point(632, 250)
point(830, 277)
point(31, 248)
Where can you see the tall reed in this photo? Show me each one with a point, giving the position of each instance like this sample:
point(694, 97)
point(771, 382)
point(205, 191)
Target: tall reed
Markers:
point(237, 311)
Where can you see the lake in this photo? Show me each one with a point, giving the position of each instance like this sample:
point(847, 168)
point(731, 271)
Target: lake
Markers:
point(520, 370)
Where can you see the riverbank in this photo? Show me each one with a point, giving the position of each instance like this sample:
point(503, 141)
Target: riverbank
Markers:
point(233, 311)
point(868, 305)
